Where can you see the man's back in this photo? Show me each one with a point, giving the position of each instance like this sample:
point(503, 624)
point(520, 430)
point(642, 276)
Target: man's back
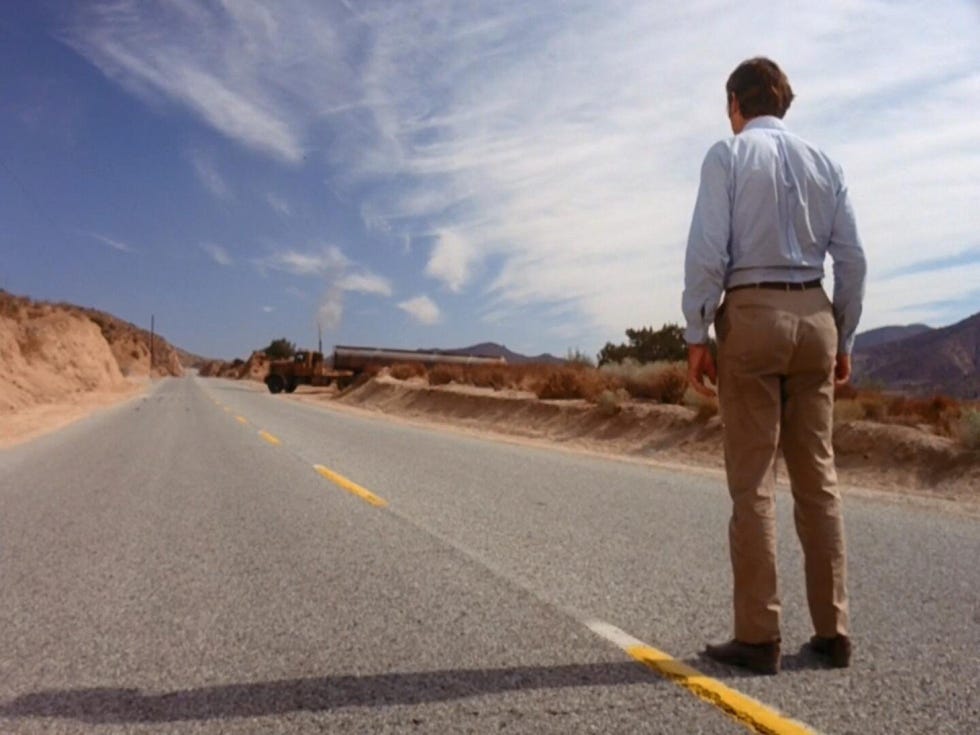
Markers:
point(771, 207)
point(785, 195)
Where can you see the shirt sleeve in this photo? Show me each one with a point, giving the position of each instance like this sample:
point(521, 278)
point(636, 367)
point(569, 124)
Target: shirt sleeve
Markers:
point(708, 252)
point(850, 270)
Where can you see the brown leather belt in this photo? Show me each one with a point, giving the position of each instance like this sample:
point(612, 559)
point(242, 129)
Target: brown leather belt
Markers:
point(779, 285)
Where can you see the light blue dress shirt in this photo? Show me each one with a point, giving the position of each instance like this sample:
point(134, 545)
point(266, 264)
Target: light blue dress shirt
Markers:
point(770, 208)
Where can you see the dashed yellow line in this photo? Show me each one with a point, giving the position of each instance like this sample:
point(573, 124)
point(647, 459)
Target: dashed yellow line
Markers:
point(270, 438)
point(351, 487)
point(241, 419)
point(756, 716)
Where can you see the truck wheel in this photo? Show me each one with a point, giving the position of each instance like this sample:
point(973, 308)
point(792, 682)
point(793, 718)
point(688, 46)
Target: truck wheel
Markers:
point(291, 386)
point(275, 383)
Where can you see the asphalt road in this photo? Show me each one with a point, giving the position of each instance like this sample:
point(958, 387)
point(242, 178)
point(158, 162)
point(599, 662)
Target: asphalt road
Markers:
point(177, 564)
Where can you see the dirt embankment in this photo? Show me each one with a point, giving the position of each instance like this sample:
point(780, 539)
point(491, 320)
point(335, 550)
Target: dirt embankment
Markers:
point(256, 367)
point(898, 459)
point(58, 362)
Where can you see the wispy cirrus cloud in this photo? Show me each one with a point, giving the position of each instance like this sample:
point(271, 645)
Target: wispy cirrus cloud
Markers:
point(279, 204)
point(548, 153)
point(208, 175)
point(217, 253)
point(325, 261)
point(119, 245)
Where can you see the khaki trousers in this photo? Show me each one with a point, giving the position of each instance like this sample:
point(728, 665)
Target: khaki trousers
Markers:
point(776, 362)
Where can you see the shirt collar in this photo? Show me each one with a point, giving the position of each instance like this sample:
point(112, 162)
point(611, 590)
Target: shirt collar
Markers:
point(764, 121)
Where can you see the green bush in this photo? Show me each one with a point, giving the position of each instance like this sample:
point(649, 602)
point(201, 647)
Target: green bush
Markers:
point(279, 349)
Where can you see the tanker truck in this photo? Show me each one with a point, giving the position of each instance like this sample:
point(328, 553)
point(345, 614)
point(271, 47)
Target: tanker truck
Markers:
point(308, 367)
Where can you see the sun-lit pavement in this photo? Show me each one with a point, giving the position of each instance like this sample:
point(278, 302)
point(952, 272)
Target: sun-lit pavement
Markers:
point(215, 559)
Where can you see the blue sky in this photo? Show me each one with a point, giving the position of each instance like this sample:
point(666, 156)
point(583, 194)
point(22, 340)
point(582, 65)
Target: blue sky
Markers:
point(434, 174)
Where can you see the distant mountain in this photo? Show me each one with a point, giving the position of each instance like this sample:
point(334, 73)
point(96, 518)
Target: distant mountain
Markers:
point(882, 335)
point(492, 349)
point(943, 360)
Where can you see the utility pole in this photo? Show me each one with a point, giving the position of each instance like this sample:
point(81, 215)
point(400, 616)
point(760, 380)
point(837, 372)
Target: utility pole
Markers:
point(319, 333)
point(152, 353)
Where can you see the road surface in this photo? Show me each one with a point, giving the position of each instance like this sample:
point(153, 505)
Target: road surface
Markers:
point(213, 559)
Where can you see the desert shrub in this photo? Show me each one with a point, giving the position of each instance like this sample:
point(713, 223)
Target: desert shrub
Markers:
point(568, 383)
point(406, 370)
point(848, 410)
point(529, 376)
point(610, 401)
point(875, 408)
point(968, 429)
point(665, 382)
point(9, 305)
point(929, 410)
point(488, 376)
point(578, 358)
point(845, 392)
point(704, 406)
point(445, 374)
point(30, 342)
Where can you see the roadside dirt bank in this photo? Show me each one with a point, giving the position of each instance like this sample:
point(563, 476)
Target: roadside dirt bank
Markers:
point(903, 462)
point(60, 362)
point(34, 421)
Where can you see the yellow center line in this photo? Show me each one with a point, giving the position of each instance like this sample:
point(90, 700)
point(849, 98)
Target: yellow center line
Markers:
point(269, 438)
point(755, 715)
point(241, 419)
point(350, 486)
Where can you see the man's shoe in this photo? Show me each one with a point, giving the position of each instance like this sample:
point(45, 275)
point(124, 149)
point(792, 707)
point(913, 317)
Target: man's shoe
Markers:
point(761, 658)
point(836, 651)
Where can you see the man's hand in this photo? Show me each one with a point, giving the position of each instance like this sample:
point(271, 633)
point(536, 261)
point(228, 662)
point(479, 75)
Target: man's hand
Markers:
point(701, 365)
point(842, 369)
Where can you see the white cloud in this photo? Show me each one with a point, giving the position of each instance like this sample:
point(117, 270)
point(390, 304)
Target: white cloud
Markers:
point(450, 260)
point(554, 147)
point(422, 309)
point(326, 261)
point(268, 309)
point(365, 283)
point(209, 176)
point(279, 204)
point(218, 254)
point(112, 243)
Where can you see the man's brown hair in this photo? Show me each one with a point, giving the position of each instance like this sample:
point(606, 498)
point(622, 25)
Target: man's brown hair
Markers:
point(760, 87)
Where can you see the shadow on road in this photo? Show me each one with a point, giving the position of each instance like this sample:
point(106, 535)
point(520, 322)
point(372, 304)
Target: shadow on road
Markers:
point(107, 705)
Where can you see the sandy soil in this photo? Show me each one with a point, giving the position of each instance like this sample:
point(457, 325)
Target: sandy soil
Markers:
point(34, 421)
point(906, 464)
point(60, 362)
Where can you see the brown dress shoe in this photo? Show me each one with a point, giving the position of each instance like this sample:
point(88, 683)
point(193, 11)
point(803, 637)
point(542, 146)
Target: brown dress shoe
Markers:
point(761, 658)
point(836, 651)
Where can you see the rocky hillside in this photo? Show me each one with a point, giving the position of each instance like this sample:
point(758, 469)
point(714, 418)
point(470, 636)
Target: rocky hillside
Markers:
point(943, 360)
point(131, 346)
point(883, 335)
point(49, 352)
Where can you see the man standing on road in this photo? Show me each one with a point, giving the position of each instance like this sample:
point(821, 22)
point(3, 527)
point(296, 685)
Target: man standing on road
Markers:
point(770, 208)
